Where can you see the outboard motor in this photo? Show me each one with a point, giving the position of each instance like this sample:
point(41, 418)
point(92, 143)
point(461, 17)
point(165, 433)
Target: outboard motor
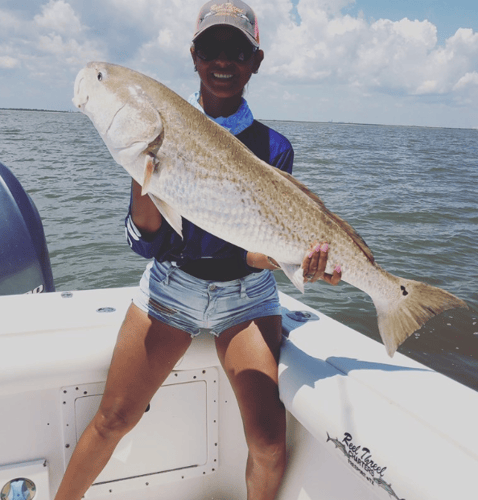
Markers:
point(24, 260)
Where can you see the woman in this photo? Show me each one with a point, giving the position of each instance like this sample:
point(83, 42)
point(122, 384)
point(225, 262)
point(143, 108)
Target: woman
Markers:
point(171, 306)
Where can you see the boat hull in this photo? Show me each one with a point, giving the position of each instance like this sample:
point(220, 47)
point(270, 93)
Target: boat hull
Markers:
point(360, 425)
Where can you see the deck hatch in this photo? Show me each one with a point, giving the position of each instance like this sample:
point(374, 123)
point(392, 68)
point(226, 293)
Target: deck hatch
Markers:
point(175, 439)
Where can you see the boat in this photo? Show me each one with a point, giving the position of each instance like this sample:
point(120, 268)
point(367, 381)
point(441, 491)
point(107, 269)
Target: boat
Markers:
point(361, 425)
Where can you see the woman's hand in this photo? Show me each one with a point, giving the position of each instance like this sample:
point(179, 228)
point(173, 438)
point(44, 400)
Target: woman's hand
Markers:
point(314, 265)
point(261, 261)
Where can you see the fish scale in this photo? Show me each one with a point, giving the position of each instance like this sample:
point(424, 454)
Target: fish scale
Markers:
point(193, 168)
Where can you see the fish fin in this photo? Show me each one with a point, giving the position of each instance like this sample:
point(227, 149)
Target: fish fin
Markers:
point(169, 213)
point(294, 273)
point(148, 173)
point(358, 240)
point(411, 307)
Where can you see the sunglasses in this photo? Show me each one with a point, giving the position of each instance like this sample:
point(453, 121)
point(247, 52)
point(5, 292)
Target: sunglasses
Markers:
point(208, 50)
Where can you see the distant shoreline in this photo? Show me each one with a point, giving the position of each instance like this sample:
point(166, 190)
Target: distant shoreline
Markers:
point(331, 122)
point(35, 109)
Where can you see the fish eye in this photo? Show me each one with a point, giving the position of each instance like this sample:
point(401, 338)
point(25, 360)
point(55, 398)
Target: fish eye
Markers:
point(100, 76)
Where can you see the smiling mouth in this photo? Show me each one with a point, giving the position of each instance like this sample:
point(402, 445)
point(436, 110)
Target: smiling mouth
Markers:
point(222, 76)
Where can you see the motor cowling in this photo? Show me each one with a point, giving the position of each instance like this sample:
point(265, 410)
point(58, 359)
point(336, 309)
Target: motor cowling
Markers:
point(24, 260)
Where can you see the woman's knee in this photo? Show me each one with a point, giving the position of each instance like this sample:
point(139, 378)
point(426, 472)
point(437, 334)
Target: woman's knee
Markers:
point(116, 418)
point(270, 454)
point(267, 438)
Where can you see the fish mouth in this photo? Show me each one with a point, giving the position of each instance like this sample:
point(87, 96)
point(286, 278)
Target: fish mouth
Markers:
point(80, 103)
point(79, 99)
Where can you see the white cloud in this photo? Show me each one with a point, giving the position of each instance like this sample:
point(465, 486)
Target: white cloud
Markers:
point(42, 47)
point(166, 39)
point(470, 79)
point(7, 62)
point(314, 45)
point(287, 96)
point(402, 57)
point(8, 22)
point(164, 54)
point(69, 51)
point(53, 43)
point(58, 16)
point(427, 87)
point(418, 33)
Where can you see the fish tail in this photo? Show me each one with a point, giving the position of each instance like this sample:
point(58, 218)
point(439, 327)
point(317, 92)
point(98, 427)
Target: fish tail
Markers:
point(407, 307)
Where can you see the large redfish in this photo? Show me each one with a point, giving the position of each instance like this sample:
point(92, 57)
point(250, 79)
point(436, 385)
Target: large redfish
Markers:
point(193, 168)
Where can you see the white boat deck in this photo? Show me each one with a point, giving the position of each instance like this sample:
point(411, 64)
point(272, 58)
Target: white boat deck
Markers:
point(361, 425)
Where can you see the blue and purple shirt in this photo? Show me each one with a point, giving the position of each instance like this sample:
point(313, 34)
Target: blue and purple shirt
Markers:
point(220, 260)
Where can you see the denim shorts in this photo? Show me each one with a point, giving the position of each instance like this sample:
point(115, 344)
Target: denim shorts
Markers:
point(195, 306)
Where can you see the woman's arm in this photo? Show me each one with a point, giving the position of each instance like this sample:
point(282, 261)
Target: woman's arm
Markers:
point(144, 213)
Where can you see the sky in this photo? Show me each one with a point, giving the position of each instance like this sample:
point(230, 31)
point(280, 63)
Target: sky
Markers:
point(396, 62)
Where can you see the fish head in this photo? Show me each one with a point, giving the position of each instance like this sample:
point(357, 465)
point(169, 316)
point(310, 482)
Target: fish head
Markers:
point(118, 104)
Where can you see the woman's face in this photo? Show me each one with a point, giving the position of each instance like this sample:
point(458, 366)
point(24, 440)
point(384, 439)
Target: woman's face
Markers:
point(225, 61)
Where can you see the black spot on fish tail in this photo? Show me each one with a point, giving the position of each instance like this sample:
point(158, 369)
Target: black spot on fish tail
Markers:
point(398, 319)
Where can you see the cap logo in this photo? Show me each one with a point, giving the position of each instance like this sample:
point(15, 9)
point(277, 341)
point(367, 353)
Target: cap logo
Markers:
point(226, 9)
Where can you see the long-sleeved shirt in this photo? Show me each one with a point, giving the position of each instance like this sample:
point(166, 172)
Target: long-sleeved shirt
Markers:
point(167, 245)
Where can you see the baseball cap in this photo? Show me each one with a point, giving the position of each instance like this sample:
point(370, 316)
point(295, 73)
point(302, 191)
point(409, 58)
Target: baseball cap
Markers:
point(234, 13)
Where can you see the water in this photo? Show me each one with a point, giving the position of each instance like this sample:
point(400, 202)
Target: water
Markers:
point(409, 191)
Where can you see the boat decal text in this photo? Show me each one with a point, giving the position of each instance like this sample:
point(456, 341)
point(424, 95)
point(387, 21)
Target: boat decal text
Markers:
point(360, 458)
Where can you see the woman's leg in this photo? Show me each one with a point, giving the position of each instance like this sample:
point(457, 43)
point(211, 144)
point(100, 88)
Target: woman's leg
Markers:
point(146, 351)
point(249, 354)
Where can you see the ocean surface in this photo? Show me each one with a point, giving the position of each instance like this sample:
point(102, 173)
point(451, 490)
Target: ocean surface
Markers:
point(411, 193)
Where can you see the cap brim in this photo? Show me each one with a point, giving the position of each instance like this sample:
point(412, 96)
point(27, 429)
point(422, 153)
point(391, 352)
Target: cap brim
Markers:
point(223, 21)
